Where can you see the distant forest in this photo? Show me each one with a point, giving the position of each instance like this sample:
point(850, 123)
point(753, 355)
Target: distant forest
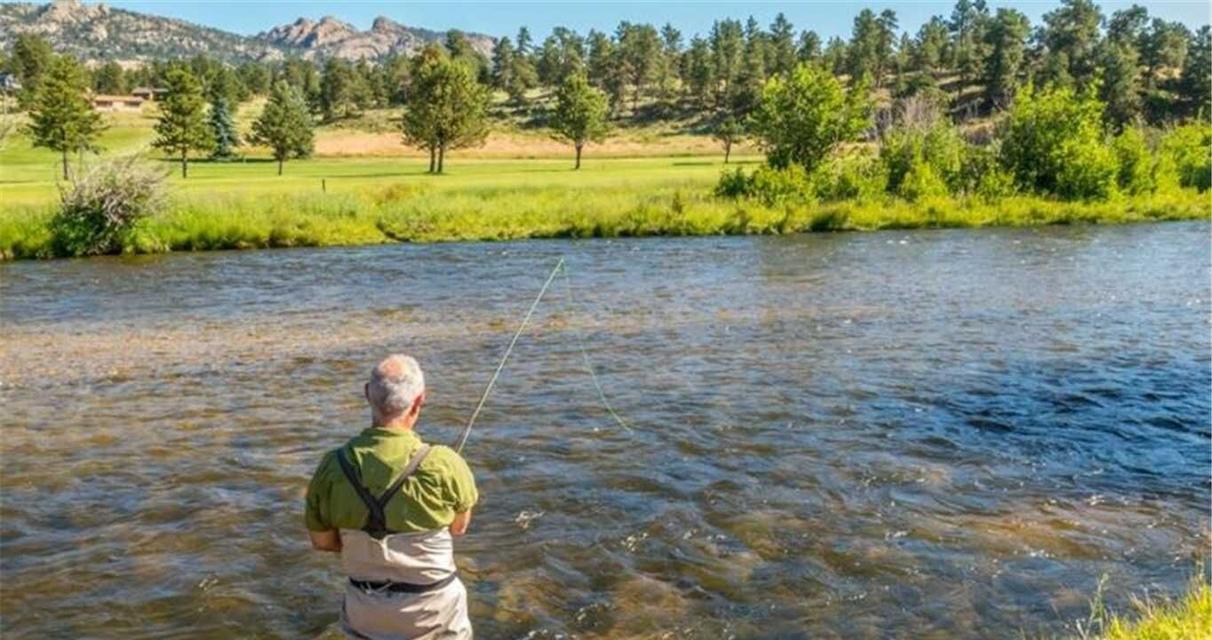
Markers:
point(972, 62)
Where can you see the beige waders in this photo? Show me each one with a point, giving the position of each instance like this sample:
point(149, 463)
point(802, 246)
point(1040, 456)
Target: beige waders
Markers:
point(402, 586)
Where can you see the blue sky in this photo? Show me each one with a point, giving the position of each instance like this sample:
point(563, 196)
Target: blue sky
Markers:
point(504, 18)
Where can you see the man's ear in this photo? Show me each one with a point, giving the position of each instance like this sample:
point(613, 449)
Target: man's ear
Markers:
point(416, 404)
point(366, 391)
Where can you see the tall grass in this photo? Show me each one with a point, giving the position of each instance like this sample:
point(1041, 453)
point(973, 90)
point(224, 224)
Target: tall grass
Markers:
point(193, 221)
point(1186, 618)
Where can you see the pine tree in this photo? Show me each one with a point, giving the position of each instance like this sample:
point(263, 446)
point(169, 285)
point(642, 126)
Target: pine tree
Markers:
point(223, 130)
point(580, 114)
point(285, 125)
point(1005, 40)
point(182, 125)
point(60, 115)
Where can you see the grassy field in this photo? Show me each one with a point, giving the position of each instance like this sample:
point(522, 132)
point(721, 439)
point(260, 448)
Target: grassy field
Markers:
point(519, 185)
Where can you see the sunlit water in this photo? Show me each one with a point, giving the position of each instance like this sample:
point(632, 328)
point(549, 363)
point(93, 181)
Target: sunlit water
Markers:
point(901, 434)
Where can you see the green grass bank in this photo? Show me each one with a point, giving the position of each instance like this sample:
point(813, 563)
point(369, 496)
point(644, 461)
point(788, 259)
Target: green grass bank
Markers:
point(346, 201)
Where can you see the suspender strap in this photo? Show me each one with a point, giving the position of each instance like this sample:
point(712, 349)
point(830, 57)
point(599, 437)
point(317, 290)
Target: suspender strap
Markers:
point(376, 521)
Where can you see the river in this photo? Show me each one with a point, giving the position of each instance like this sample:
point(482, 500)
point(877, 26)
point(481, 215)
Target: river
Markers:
point(928, 434)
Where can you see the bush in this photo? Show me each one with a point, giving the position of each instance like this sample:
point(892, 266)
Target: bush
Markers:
point(1090, 172)
point(1187, 150)
point(1053, 142)
point(1137, 168)
point(983, 175)
point(859, 176)
point(922, 181)
point(922, 136)
point(768, 185)
point(99, 210)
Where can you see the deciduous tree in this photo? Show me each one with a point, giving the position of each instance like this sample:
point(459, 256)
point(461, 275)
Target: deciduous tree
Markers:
point(580, 114)
point(802, 118)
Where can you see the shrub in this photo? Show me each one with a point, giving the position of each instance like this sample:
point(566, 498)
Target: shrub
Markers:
point(921, 136)
point(922, 181)
point(1188, 152)
point(733, 184)
point(859, 176)
point(1089, 173)
point(99, 210)
point(1049, 137)
point(1137, 167)
point(768, 185)
point(982, 174)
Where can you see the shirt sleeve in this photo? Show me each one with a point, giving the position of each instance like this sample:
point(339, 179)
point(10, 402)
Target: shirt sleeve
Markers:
point(319, 490)
point(460, 484)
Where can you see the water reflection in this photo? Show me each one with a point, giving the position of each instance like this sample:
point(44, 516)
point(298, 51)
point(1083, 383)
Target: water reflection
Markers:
point(928, 434)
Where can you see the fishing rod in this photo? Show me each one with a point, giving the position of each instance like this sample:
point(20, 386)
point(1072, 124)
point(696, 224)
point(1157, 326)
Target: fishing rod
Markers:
point(508, 350)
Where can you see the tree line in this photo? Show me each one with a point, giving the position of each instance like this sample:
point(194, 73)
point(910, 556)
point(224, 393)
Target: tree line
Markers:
point(969, 63)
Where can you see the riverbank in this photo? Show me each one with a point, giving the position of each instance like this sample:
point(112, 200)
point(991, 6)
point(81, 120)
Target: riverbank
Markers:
point(338, 201)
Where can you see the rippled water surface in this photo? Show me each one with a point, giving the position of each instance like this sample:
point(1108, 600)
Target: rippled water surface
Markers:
point(903, 434)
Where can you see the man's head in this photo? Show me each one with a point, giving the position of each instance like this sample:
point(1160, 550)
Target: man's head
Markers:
point(396, 391)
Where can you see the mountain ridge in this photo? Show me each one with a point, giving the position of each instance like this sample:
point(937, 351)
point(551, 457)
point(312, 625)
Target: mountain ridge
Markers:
point(98, 32)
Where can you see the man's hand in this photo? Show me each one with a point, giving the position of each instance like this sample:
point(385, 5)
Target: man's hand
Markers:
point(326, 540)
point(458, 526)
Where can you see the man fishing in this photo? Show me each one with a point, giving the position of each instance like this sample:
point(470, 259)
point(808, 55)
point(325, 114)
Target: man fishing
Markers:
point(389, 504)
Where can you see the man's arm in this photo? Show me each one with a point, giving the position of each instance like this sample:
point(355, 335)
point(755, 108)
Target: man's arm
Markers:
point(324, 536)
point(459, 525)
point(331, 540)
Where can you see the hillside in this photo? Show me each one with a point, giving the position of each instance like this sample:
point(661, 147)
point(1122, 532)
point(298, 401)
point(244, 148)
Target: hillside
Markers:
point(95, 32)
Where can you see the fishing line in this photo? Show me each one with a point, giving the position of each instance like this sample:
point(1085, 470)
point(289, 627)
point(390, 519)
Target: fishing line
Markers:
point(495, 374)
point(588, 364)
point(597, 384)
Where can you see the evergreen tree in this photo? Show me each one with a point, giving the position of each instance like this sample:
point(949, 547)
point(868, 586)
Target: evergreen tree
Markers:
point(223, 130)
point(930, 47)
point(1005, 40)
point(503, 66)
point(32, 57)
point(525, 46)
point(285, 124)
point(727, 43)
point(967, 23)
point(182, 126)
point(698, 72)
point(580, 114)
point(670, 62)
point(110, 78)
point(783, 55)
point(605, 71)
point(809, 49)
point(836, 55)
point(1163, 46)
point(639, 57)
point(1071, 36)
point(339, 90)
point(61, 118)
point(1196, 76)
point(1120, 88)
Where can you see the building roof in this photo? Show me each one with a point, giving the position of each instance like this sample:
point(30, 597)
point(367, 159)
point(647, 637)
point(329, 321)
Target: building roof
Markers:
point(102, 97)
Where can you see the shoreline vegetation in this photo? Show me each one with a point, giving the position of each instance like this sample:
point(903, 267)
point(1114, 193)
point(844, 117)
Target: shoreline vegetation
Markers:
point(616, 201)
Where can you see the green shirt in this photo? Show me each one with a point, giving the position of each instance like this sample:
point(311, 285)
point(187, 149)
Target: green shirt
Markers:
point(440, 487)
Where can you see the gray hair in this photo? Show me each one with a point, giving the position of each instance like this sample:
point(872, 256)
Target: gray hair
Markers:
point(395, 383)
